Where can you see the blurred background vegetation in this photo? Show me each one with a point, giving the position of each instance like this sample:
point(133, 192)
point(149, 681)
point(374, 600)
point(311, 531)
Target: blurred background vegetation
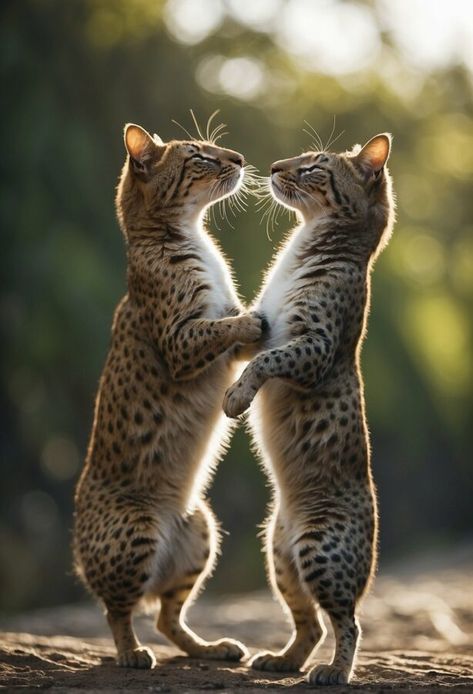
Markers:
point(73, 73)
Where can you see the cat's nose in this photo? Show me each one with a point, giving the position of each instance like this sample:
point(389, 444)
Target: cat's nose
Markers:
point(275, 168)
point(238, 159)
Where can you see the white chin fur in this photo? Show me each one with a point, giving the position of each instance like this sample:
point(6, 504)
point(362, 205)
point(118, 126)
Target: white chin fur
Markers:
point(236, 187)
point(281, 198)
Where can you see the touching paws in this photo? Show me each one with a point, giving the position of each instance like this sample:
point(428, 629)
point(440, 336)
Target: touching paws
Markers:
point(238, 398)
point(248, 328)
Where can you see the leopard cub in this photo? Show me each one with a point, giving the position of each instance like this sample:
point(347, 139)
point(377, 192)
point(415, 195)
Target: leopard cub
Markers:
point(143, 531)
point(308, 419)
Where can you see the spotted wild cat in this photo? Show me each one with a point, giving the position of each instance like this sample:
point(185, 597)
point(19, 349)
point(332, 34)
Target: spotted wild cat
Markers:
point(143, 530)
point(309, 417)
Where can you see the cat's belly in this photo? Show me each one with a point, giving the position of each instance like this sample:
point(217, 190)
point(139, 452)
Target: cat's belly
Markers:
point(275, 421)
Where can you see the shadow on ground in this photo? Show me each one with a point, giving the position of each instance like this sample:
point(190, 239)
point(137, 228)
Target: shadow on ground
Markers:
point(417, 625)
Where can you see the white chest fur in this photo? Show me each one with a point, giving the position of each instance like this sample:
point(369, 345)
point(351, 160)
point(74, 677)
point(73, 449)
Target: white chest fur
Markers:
point(216, 272)
point(273, 301)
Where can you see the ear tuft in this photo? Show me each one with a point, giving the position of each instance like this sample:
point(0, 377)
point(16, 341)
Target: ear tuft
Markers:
point(374, 155)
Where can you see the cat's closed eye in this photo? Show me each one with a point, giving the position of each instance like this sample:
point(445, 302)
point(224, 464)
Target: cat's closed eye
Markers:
point(209, 160)
point(309, 169)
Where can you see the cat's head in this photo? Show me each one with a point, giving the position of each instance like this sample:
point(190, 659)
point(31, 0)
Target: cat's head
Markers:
point(173, 180)
point(353, 186)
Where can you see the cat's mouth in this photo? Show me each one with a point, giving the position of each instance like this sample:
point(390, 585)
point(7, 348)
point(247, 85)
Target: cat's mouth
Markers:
point(283, 194)
point(277, 190)
point(230, 184)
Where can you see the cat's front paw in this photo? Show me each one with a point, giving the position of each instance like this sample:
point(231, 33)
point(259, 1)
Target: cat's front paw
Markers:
point(238, 398)
point(248, 328)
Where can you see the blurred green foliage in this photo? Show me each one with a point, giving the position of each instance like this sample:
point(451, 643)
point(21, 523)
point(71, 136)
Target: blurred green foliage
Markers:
point(73, 73)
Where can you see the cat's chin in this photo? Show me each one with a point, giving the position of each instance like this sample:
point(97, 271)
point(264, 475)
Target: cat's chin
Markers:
point(303, 213)
point(223, 193)
point(279, 196)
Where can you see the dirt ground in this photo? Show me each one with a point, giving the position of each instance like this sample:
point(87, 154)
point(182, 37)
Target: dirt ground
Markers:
point(417, 636)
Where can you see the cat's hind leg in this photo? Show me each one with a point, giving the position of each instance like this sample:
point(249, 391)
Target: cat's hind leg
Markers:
point(198, 545)
point(335, 573)
point(130, 652)
point(286, 585)
point(115, 545)
point(347, 634)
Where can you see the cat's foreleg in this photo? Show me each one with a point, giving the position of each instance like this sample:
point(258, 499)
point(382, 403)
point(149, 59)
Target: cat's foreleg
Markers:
point(303, 361)
point(194, 344)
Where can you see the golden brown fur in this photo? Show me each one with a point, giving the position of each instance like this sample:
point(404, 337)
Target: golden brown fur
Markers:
point(143, 530)
point(308, 419)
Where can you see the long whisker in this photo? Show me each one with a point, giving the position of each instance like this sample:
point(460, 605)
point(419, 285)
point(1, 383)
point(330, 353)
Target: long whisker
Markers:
point(238, 201)
point(214, 217)
point(209, 123)
point(223, 211)
point(332, 142)
point(259, 185)
point(266, 204)
point(210, 209)
point(331, 133)
point(312, 143)
point(231, 204)
point(191, 137)
point(318, 139)
point(218, 132)
point(199, 132)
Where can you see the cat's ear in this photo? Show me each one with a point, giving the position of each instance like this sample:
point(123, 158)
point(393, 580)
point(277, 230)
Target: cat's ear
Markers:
point(374, 155)
point(142, 148)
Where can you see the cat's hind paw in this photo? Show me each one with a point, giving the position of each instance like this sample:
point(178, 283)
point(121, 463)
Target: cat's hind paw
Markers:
point(322, 675)
point(272, 662)
point(142, 658)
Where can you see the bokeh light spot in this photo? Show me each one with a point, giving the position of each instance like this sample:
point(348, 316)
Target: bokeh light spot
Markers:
point(242, 77)
point(461, 268)
point(420, 256)
point(260, 15)
point(429, 36)
point(60, 458)
point(330, 37)
point(417, 196)
point(207, 73)
point(448, 146)
point(191, 22)
point(439, 330)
